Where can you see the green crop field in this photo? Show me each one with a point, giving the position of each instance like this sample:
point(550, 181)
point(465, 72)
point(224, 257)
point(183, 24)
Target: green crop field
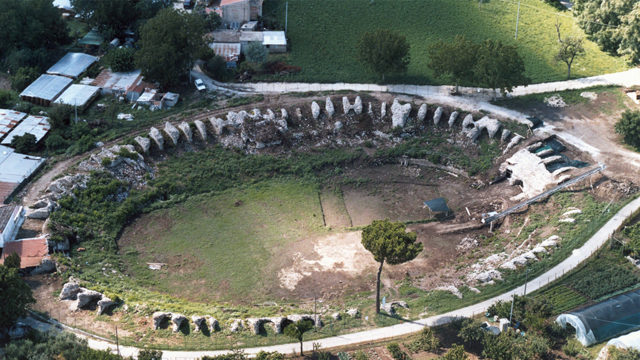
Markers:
point(222, 246)
point(323, 35)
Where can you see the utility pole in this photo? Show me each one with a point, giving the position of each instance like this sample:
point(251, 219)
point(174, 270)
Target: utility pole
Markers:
point(513, 299)
point(517, 19)
point(117, 343)
point(526, 280)
point(286, 16)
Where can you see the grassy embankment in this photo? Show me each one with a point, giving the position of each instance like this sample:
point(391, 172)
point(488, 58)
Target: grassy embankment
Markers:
point(323, 42)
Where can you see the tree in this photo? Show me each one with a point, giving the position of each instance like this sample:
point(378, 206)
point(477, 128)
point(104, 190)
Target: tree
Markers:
point(630, 35)
point(499, 66)
point(217, 68)
point(569, 48)
point(30, 24)
point(256, 53)
point(297, 329)
point(389, 242)
point(456, 353)
point(169, 44)
point(453, 59)
point(383, 52)
point(147, 354)
point(23, 77)
point(7, 99)
point(60, 116)
point(15, 296)
point(25, 143)
point(629, 127)
point(212, 21)
point(120, 59)
point(12, 261)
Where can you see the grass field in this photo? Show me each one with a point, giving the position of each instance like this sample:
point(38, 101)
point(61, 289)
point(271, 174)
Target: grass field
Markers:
point(223, 246)
point(323, 35)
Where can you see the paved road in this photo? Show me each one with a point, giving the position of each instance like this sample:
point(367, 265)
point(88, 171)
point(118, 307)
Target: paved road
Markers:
point(578, 256)
point(626, 78)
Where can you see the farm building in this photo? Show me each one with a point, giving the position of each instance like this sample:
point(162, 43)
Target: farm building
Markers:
point(612, 317)
point(11, 218)
point(155, 100)
point(33, 252)
point(9, 119)
point(15, 168)
point(275, 41)
point(127, 84)
point(38, 126)
point(237, 12)
point(229, 51)
point(72, 65)
point(79, 96)
point(45, 89)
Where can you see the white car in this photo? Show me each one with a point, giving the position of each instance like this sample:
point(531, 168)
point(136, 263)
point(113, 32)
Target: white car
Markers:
point(200, 85)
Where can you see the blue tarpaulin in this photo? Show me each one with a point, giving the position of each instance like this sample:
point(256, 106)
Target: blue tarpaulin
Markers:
point(437, 205)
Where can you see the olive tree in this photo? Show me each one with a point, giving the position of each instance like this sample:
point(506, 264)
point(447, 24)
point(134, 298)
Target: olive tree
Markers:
point(297, 329)
point(389, 242)
point(384, 51)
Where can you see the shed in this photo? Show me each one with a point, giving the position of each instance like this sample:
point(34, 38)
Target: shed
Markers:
point(11, 218)
point(78, 95)
point(119, 83)
point(438, 205)
point(31, 251)
point(38, 126)
point(92, 40)
point(72, 65)
point(229, 51)
point(170, 99)
point(612, 317)
point(15, 168)
point(45, 89)
point(275, 41)
point(64, 5)
point(8, 120)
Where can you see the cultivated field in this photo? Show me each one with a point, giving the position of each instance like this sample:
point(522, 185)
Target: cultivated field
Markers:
point(323, 35)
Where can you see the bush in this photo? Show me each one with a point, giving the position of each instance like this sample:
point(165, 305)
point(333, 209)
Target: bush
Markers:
point(456, 353)
point(7, 99)
point(55, 142)
point(23, 77)
point(120, 59)
point(629, 127)
point(623, 354)
point(25, 143)
point(427, 341)
point(360, 355)
point(147, 354)
point(60, 116)
point(471, 333)
point(573, 348)
point(12, 261)
point(106, 162)
point(396, 352)
point(217, 68)
point(263, 355)
point(256, 53)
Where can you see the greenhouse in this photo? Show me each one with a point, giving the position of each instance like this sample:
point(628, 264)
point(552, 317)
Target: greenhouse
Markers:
point(605, 320)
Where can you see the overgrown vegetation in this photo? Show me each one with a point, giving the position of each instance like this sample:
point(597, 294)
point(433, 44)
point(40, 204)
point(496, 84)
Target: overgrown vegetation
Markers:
point(629, 127)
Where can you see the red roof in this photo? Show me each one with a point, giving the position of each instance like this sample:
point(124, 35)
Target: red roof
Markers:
point(31, 251)
point(229, 2)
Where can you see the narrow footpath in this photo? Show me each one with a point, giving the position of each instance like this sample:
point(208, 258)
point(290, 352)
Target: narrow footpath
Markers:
point(577, 257)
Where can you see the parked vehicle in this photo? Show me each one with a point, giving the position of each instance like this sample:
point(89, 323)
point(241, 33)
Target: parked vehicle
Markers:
point(200, 85)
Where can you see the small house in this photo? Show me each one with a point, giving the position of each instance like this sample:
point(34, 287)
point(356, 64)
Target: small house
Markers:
point(275, 41)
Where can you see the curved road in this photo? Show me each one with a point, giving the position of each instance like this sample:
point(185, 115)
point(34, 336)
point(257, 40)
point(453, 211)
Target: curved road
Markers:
point(578, 256)
point(439, 94)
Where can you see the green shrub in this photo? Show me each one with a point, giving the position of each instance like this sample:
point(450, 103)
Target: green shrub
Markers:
point(120, 59)
point(456, 353)
point(106, 162)
point(25, 143)
point(573, 348)
point(629, 127)
point(360, 355)
point(263, 355)
point(426, 341)
point(55, 142)
point(623, 354)
point(148, 354)
point(7, 99)
point(396, 352)
point(23, 77)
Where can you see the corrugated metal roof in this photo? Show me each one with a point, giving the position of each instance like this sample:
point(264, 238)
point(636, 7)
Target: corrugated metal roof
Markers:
point(16, 167)
point(8, 120)
point(47, 87)
point(117, 81)
point(36, 125)
point(72, 65)
point(251, 36)
point(229, 51)
point(77, 95)
point(274, 38)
